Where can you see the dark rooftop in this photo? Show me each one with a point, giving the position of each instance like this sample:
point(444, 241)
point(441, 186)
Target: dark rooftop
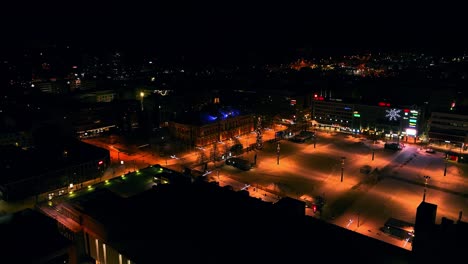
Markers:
point(17, 163)
point(204, 223)
point(29, 236)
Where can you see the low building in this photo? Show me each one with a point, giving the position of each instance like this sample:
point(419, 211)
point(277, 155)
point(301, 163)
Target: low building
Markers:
point(445, 242)
point(448, 129)
point(15, 138)
point(31, 237)
point(203, 223)
point(56, 169)
point(101, 96)
point(204, 128)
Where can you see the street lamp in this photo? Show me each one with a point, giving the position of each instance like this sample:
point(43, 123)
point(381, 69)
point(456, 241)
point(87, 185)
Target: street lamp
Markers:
point(278, 148)
point(342, 167)
point(142, 95)
point(445, 168)
point(425, 186)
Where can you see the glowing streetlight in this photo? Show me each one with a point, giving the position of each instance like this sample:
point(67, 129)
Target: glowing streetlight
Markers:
point(142, 95)
point(426, 178)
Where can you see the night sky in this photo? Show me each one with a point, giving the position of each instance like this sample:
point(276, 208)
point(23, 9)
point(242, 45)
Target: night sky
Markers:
point(235, 27)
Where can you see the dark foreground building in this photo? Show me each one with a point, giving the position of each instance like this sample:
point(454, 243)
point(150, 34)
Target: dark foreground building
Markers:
point(205, 223)
point(185, 221)
point(446, 242)
point(31, 237)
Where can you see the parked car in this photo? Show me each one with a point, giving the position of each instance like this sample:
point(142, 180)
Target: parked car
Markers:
point(430, 150)
point(239, 163)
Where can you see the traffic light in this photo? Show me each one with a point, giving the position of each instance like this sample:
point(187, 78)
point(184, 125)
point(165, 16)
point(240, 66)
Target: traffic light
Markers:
point(314, 208)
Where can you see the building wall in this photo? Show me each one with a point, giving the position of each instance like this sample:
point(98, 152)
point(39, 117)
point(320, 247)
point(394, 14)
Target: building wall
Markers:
point(19, 139)
point(448, 127)
point(371, 119)
point(57, 182)
point(214, 132)
point(333, 114)
point(104, 253)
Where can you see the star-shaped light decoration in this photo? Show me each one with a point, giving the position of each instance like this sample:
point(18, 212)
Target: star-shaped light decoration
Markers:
point(393, 114)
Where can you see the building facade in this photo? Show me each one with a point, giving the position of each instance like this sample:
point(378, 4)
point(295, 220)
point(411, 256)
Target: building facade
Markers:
point(448, 129)
point(47, 174)
point(206, 134)
point(381, 120)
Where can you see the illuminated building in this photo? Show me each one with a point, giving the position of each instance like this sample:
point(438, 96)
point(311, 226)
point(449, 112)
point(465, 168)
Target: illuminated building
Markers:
point(204, 128)
point(448, 129)
point(381, 119)
point(30, 172)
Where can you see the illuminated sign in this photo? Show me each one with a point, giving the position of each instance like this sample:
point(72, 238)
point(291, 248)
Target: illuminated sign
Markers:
point(411, 132)
point(384, 104)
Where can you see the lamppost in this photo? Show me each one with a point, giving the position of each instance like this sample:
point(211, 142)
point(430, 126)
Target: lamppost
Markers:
point(277, 153)
point(373, 149)
point(445, 167)
point(358, 215)
point(142, 95)
point(259, 143)
point(426, 178)
point(342, 167)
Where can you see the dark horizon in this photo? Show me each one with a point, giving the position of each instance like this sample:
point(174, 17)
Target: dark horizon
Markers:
point(333, 28)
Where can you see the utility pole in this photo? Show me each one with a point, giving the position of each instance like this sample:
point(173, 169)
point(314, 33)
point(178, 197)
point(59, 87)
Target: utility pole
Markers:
point(277, 153)
point(425, 186)
point(445, 168)
point(259, 143)
point(342, 167)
